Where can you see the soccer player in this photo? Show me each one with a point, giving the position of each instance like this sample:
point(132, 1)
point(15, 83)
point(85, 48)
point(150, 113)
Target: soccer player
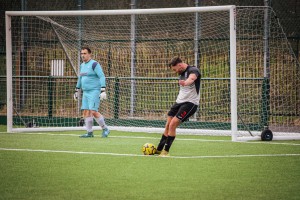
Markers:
point(91, 81)
point(186, 104)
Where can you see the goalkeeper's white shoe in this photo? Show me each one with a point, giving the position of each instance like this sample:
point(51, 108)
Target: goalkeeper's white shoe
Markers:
point(105, 132)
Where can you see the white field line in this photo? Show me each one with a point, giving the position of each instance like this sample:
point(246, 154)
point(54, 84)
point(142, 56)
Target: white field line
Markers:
point(157, 138)
point(138, 155)
point(126, 137)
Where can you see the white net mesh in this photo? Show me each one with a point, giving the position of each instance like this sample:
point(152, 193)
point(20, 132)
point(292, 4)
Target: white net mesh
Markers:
point(140, 86)
point(268, 71)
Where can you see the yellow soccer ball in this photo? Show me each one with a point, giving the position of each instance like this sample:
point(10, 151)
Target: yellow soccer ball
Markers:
point(148, 149)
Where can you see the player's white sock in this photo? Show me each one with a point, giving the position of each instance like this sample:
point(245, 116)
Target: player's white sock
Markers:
point(101, 122)
point(89, 124)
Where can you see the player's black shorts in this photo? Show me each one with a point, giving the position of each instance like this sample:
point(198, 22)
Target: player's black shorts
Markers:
point(182, 110)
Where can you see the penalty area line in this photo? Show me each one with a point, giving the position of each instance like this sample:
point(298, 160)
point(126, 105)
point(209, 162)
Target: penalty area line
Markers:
point(120, 136)
point(70, 152)
point(157, 138)
point(138, 155)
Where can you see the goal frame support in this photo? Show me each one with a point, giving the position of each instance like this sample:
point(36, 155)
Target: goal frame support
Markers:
point(232, 24)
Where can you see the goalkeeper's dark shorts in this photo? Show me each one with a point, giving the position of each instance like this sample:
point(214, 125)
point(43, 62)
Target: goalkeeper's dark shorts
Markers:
point(183, 110)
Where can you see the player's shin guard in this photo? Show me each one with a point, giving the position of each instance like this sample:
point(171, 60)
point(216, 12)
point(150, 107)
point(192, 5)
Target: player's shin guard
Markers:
point(162, 142)
point(169, 142)
point(101, 122)
point(89, 124)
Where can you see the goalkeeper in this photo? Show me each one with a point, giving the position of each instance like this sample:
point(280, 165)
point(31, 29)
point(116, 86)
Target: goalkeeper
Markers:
point(91, 81)
point(186, 104)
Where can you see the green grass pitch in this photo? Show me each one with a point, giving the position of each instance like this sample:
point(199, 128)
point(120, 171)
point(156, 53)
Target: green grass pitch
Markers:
point(60, 165)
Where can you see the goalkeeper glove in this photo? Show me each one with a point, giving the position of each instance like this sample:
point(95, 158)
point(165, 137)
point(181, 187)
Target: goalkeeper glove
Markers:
point(76, 94)
point(102, 95)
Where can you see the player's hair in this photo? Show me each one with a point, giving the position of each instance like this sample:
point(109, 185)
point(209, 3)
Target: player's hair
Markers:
point(175, 61)
point(87, 48)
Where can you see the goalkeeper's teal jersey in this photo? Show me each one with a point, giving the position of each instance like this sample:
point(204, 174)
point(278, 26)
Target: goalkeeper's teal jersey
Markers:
point(89, 78)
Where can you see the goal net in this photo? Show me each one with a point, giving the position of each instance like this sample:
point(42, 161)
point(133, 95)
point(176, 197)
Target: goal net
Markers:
point(250, 76)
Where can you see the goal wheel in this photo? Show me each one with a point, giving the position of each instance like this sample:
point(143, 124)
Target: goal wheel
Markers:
point(267, 135)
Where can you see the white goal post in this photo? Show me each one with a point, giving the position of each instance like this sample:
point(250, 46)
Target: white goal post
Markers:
point(133, 47)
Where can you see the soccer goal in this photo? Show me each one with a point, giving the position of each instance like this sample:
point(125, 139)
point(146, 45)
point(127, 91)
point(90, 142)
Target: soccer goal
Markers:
point(250, 77)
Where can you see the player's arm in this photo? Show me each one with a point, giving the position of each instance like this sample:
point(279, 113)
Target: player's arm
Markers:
point(78, 86)
point(190, 80)
point(101, 76)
